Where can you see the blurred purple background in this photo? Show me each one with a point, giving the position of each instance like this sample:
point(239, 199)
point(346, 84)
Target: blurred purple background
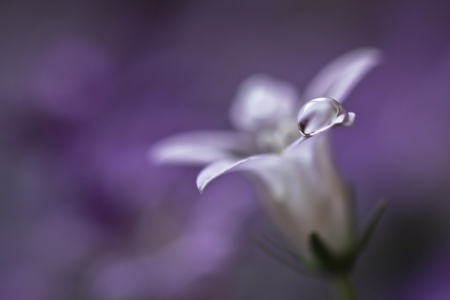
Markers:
point(87, 87)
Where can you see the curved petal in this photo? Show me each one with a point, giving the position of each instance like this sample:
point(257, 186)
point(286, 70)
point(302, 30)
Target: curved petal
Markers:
point(316, 198)
point(338, 78)
point(264, 166)
point(348, 119)
point(200, 148)
point(304, 192)
point(262, 101)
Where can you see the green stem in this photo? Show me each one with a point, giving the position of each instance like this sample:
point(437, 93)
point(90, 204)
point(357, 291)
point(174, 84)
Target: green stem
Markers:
point(344, 287)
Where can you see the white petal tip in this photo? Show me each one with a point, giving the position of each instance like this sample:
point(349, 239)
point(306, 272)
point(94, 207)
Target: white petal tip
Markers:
point(200, 187)
point(369, 54)
point(153, 156)
point(339, 77)
point(375, 52)
point(350, 120)
point(201, 184)
point(204, 178)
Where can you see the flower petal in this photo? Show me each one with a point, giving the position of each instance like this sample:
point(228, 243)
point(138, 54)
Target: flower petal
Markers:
point(264, 166)
point(337, 79)
point(304, 192)
point(262, 101)
point(316, 200)
point(349, 119)
point(200, 148)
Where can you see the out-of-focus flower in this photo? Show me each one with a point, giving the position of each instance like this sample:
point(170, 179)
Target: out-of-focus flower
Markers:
point(305, 193)
point(206, 244)
point(75, 80)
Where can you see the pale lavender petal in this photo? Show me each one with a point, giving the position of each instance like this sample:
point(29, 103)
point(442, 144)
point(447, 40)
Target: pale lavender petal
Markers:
point(304, 193)
point(200, 148)
point(264, 166)
point(349, 119)
point(295, 143)
point(338, 78)
point(315, 200)
point(262, 101)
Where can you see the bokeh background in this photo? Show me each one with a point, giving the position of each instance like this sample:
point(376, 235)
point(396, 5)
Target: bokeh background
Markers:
point(86, 87)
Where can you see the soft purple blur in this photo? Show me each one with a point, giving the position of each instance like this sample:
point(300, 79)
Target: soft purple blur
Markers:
point(88, 86)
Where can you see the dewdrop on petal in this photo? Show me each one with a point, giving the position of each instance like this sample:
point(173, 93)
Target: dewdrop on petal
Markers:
point(321, 114)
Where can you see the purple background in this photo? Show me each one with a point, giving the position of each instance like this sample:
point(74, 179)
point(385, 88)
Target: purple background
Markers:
point(86, 87)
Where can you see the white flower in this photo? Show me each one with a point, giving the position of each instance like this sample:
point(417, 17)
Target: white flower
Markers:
point(304, 192)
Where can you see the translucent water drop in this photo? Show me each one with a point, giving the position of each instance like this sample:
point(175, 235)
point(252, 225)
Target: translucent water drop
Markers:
point(317, 115)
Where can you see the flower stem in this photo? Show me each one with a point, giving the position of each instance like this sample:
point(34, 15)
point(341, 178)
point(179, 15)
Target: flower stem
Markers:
point(344, 287)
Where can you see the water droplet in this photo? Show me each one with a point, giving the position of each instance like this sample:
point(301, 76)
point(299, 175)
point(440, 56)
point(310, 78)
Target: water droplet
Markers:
point(317, 114)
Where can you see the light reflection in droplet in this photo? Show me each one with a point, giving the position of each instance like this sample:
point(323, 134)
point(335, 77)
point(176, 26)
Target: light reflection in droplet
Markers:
point(317, 114)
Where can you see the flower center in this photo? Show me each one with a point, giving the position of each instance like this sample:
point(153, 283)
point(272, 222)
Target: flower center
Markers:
point(277, 138)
